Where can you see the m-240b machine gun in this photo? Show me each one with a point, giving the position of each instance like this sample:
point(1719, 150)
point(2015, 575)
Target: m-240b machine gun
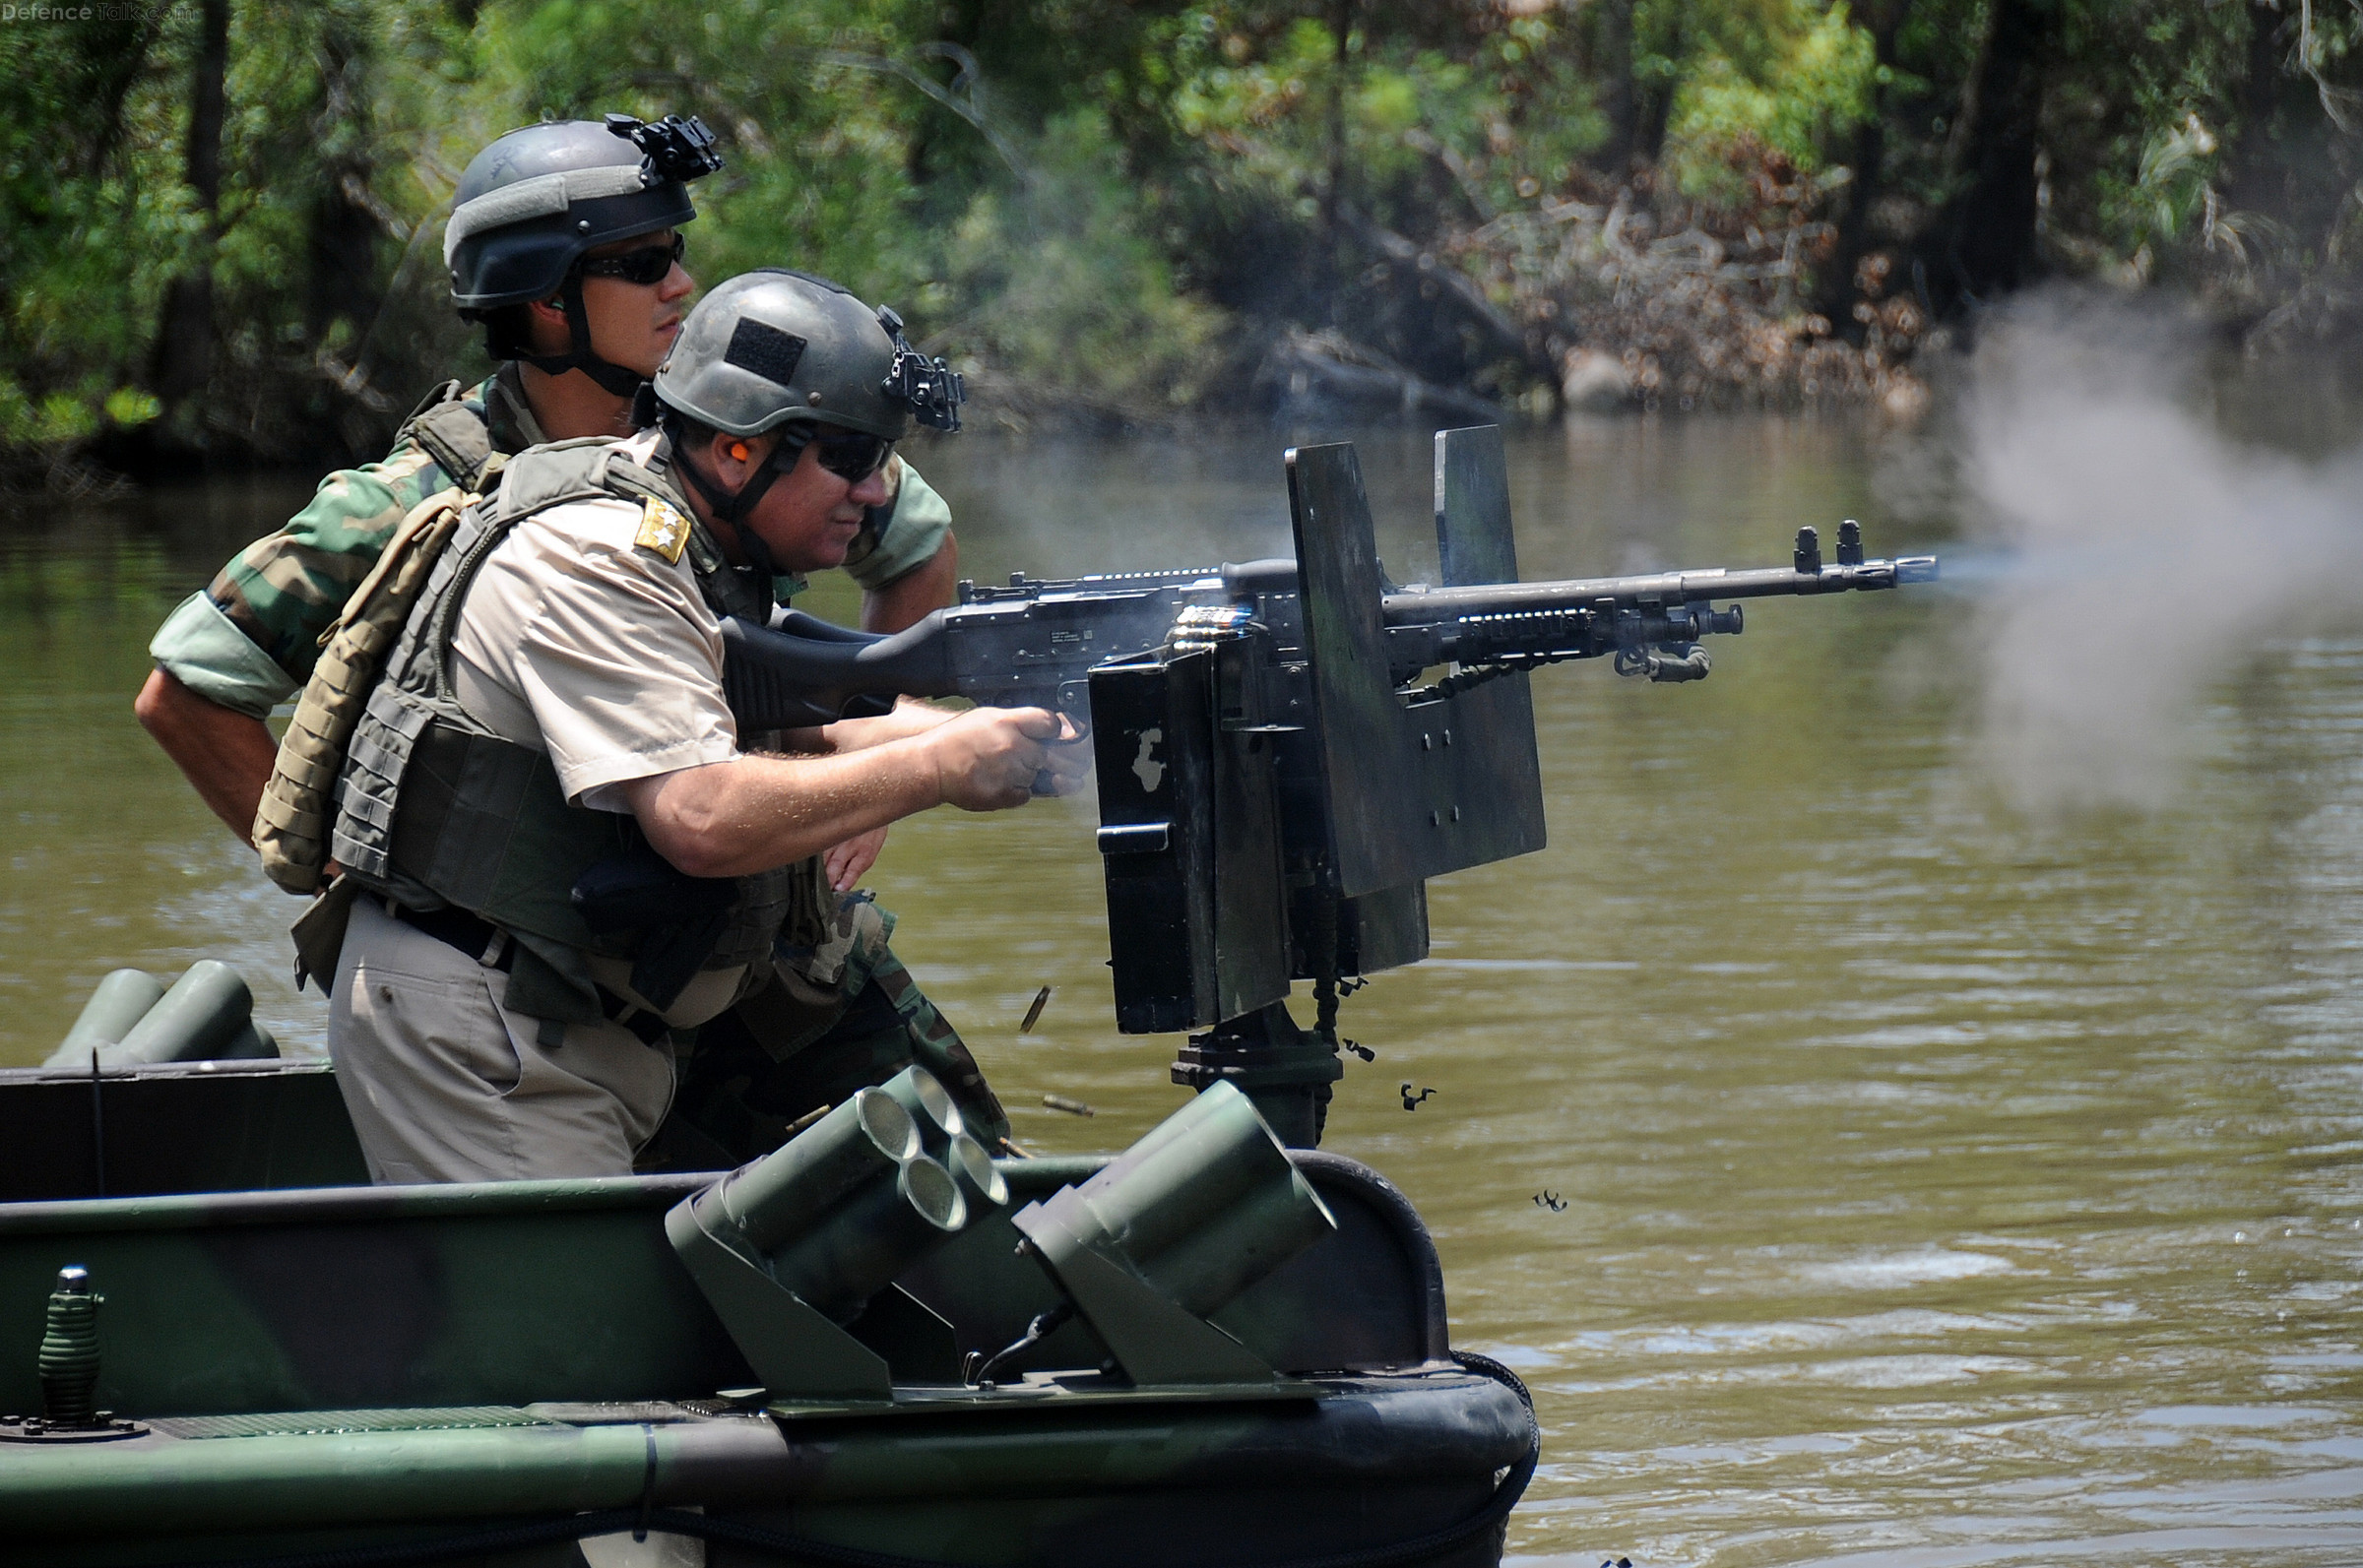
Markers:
point(1278, 773)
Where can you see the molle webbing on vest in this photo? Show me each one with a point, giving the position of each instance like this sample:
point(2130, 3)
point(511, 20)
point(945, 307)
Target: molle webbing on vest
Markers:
point(479, 809)
point(454, 434)
point(292, 824)
point(436, 809)
point(406, 699)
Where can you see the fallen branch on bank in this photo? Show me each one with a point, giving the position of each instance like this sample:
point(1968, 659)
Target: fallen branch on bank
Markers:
point(1508, 335)
point(1325, 367)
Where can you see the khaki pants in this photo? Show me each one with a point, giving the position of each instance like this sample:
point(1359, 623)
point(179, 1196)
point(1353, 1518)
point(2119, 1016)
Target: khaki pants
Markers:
point(445, 1083)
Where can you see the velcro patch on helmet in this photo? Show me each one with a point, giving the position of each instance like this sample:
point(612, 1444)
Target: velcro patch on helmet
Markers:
point(662, 530)
point(764, 349)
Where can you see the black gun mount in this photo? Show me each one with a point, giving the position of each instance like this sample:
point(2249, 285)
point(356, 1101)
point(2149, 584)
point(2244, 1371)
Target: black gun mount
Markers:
point(1275, 787)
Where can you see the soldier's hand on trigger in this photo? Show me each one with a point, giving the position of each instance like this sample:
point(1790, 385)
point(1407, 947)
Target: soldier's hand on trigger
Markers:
point(986, 759)
point(1069, 761)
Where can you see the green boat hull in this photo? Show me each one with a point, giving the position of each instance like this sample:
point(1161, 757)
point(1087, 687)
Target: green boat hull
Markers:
point(419, 1370)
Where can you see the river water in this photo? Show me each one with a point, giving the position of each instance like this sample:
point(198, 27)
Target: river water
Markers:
point(1859, 1170)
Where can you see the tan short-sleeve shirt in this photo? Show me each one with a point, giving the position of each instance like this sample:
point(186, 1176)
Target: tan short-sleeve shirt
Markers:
point(578, 641)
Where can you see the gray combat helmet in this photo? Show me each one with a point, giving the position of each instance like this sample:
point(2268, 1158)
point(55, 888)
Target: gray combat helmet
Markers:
point(774, 348)
point(530, 206)
point(776, 351)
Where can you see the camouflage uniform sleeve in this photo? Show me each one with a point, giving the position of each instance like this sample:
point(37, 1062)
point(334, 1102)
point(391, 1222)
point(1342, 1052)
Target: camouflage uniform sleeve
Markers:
point(903, 534)
point(282, 591)
point(198, 646)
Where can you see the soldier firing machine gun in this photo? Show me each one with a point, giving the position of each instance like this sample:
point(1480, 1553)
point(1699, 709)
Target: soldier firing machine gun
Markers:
point(1275, 784)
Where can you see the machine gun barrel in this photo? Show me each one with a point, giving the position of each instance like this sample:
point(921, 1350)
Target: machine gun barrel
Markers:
point(1661, 587)
point(1522, 624)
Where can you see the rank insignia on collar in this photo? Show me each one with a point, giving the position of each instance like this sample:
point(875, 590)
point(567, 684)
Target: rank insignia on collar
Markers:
point(664, 529)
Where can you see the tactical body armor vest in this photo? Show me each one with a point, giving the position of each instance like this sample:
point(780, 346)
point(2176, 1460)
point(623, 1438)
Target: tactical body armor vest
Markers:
point(457, 437)
point(292, 822)
point(434, 810)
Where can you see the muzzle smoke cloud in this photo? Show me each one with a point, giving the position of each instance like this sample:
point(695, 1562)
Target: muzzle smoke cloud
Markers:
point(2148, 555)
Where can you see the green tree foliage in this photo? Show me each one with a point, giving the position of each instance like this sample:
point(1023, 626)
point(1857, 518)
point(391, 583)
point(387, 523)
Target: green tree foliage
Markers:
point(1116, 208)
point(1787, 75)
point(94, 213)
point(1057, 279)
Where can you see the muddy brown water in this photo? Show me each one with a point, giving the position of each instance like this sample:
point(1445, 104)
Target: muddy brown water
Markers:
point(1859, 1172)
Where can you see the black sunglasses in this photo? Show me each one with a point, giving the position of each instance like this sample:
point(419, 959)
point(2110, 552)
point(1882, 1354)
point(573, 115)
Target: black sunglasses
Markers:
point(646, 265)
point(851, 455)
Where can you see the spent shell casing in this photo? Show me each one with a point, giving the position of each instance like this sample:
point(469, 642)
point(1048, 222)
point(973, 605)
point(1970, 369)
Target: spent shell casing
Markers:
point(1073, 1108)
point(1041, 999)
point(806, 1119)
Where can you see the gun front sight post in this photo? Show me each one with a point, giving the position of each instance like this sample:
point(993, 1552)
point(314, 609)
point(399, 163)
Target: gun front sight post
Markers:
point(1809, 553)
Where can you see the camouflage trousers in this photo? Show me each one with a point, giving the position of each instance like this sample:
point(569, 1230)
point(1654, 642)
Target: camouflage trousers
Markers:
point(831, 1020)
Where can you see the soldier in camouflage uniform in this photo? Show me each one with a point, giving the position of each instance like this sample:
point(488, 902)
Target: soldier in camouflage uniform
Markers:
point(229, 654)
point(580, 313)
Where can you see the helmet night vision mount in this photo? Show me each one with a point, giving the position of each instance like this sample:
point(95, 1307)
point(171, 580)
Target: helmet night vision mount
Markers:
point(933, 389)
point(671, 149)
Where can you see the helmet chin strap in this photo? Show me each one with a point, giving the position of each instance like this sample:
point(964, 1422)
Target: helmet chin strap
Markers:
point(613, 378)
point(727, 508)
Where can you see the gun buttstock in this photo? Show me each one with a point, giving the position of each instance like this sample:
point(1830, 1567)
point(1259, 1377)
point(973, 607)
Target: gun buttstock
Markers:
point(779, 680)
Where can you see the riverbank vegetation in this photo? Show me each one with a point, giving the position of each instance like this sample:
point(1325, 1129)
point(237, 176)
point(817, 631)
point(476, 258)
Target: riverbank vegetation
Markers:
point(222, 218)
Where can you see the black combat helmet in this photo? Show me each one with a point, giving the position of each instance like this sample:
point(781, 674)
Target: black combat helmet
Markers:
point(533, 202)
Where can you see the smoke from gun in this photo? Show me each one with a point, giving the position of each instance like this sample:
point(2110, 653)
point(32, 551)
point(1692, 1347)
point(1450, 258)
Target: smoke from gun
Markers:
point(2150, 555)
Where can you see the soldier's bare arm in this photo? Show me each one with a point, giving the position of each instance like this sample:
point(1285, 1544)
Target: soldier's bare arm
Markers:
point(226, 756)
point(849, 862)
point(910, 718)
point(912, 715)
point(754, 813)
